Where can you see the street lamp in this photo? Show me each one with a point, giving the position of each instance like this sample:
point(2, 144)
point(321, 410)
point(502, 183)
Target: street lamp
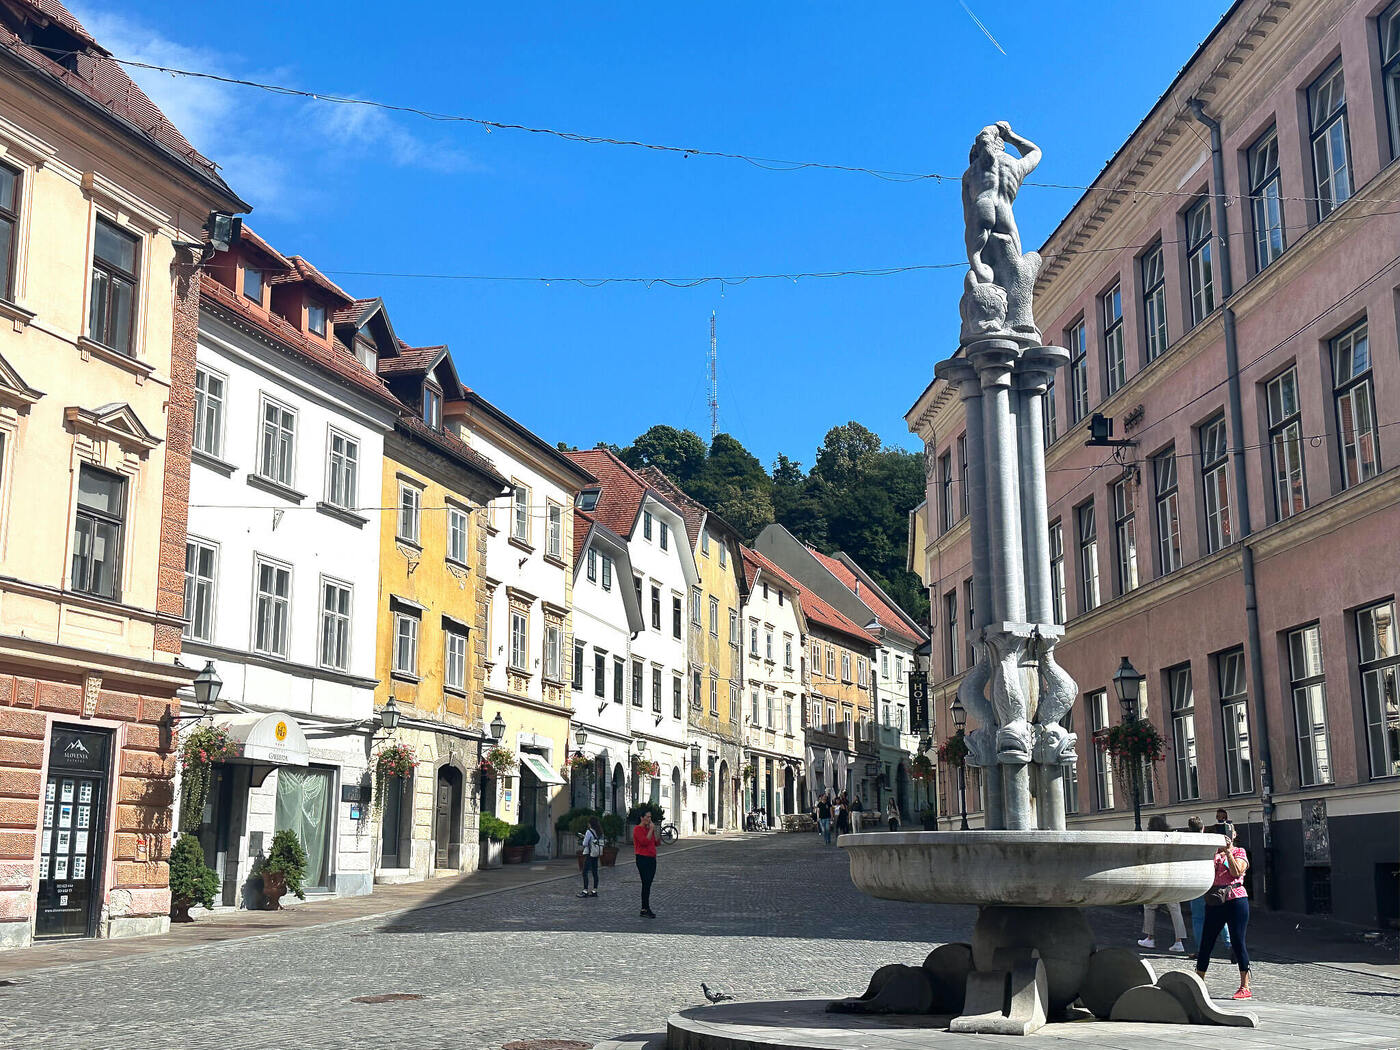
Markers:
point(498, 728)
point(207, 685)
point(1127, 683)
point(580, 738)
point(960, 724)
point(694, 756)
point(389, 716)
point(641, 746)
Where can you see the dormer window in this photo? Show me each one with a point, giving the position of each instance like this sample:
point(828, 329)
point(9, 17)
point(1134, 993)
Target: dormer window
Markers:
point(588, 499)
point(432, 407)
point(316, 318)
point(366, 354)
point(253, 284)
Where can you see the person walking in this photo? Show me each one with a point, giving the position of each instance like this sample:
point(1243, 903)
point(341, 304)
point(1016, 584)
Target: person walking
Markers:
point(842, 815)
point(824, 817)
point(892, 814)
point(592, 849)
point(645, 839)
point(1227, 905)
point(1149, 911)
point(1198, 905)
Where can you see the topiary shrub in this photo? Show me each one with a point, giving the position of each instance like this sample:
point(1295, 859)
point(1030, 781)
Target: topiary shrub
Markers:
point(287, 859)
point(523, 835)
point(579, 825)
point(613, 827)
point(566, 822)
point(634, 815)
point(191, 880)
point(493, 828)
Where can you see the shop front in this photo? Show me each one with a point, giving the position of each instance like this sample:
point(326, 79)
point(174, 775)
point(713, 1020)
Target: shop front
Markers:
point(73, 833)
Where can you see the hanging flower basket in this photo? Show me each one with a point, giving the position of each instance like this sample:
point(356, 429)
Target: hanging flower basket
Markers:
point(748, 772)
point(921, 768)
point(501, 760)
point(578, 763)
point(394, 760)
point(1130, 745)
point(645, 767)
point(201, 749)
point(953, 751)
point(699, 776)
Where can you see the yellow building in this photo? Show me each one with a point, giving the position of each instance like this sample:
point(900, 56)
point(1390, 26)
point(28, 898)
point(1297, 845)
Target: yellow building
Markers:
point(841, 747)
point(431, 638)
point(101, 206)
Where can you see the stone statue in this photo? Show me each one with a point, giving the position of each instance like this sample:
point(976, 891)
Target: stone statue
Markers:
point(997, 292)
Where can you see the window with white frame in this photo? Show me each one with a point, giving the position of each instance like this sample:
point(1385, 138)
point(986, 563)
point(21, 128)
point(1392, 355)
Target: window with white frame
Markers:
point(816, 715)
point(1380, 686)
point(1331, 150)
point(1097, 703)
point(271, 607)
point(899, 669)
point(656, 610)
point(554, 652)
point(519, 640)
point(677, 619)
point(1077, 342)
point(1266, 199)
point(1354, 396)
point(1199, 260)
point(1309, 706)
point(1154, 301)
point(697, 699)
point(1168, 511)
point(656, 690)
point(554, 531)
point(1389, 26)
point(316, 318)
point(696, 605)
point(734, 702)
point(787, 715)
point(862, 672)
point(1088, 558)
point(637, 671)
point(1182, 697)
point(1234, 712)
point(335, 625)
point(787, 652)
point(454, 675)
point(723, 555)
point(410, 525)
point(253, 284)
point(200, 560)
point(520, 514)
point(733, 627)
point(770, 719)
point(1115, 367)
point(1125, 533)
point(456, 534)
point(830, 662)
point(714, 617)
point(432, 407)
point(1215, 484)
point(209, 391)
point(768, 644)
point(1286, 444)
point(714, 693)
point(1057, 571)
point(276, 460)
point(342, 470)
point(705, 542)
point(755, 716)
point(406, 627)
point(677, 688)
point(845, 666)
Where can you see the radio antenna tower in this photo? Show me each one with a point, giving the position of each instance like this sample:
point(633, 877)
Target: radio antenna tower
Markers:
point(714, 380)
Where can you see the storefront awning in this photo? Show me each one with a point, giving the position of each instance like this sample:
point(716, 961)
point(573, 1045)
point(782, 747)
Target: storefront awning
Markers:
point(274, 738)
point(540, 768)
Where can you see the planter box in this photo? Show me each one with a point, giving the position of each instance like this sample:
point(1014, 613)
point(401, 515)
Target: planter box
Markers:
point(609, 857)
point(491, 853)
point(514, 854)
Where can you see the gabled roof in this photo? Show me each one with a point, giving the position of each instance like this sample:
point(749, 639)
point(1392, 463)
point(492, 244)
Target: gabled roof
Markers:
point(412, 360)
point(308, 273)
point(453, 446)
point(891, 619)
point(249, 239)
point(754, 563)
point(623, 489)
point(117, 421)
point(822, 614)
point(692, 511)
point(472, 404)
point(587, 530)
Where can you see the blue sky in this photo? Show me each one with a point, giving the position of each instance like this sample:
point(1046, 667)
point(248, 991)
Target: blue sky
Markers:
point(897, 86)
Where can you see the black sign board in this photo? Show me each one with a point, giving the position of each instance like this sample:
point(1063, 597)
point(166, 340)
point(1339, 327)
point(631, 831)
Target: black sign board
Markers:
point(918, 702)
point(72, 833)
point(78, 750)
point(352, 792)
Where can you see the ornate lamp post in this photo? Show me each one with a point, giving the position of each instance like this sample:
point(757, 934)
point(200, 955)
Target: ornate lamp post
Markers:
point(498, 728)
point(1127, 683)
point(960, 724)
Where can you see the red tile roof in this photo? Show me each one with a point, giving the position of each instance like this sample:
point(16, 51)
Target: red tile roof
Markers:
point(583, 522)
point(452, 445)
point(692, 511)
point(247, 236)
point(355, 312)
point(889, 619)
point(819, 612)
point(754, 562)
point(622, 488)
point(311, 275)
point(97, 77)
point(412, 359)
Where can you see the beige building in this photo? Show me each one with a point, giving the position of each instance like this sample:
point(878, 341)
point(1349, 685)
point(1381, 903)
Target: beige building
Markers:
point(101, 207)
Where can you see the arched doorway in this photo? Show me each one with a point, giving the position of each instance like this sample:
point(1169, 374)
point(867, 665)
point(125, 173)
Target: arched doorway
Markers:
point(447, 819)
point(789, 791)
point(722, 796)
point(618, 804)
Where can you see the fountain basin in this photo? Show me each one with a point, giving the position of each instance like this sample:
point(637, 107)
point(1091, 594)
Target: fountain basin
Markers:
point(1046, 869)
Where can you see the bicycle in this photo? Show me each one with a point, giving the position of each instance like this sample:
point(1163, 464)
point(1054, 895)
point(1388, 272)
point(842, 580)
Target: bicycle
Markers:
point(669, 834)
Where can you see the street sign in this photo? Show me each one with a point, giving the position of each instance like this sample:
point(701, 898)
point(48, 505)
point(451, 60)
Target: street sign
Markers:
point(918, 702)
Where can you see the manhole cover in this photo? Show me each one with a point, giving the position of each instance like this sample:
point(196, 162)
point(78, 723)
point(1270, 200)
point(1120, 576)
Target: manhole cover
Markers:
point(386, 997)
point(547, 1044)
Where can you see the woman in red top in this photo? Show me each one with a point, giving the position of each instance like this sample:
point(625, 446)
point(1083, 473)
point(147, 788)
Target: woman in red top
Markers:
point(645, 839)
point(1227, 905)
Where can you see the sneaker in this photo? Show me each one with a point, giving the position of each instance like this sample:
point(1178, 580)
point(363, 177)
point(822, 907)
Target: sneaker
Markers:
point(1177, 947)
point(593, 893)
point(1147, 942)
point(583, 893)
point(1243, 993)
point(647, 913)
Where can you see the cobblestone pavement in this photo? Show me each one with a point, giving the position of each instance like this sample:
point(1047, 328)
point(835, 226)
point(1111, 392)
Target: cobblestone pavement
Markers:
point(758, 917)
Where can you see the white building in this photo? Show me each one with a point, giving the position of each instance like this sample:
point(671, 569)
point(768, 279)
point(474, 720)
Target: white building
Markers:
point(663, 574)
point(282, 565)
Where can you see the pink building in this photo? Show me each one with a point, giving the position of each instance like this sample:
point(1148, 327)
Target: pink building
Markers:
point(1228, 289)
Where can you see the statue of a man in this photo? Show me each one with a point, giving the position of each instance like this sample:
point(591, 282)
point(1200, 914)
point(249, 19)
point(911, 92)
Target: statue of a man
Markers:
point(990, 185)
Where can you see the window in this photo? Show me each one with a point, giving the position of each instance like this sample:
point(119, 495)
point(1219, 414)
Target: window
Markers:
point(655, 607)
point(199, 590)
point(787, 716)
point(1356, 406)
point(768, 645)
point(1097, 703)
point(1088, 558)
point(862, 672)
point(554, 531)
point(1071, 774)
point(1327, 122)
point(1154, 301)
point(646, 524)
point(816, 715)
point(695, 614)
point(830, 662)
point(1215, 484)
point(962, 476)
point(553, 652)
point(619, 680)
point(406, 643)
point(607, 572)
point(252, 284)
point(1234, 698)
point(1049, 421)
point(98, 533)
point(970, 614)
point(696, 699)
point(1380, 686)
point(899, 669)
point(723, 555)
point(734, 703)
point(432, 408)
point(520, 514)
point(9, 229)
point(335, 625)
point(1309, 706)
point(1389, 25)
point(845, 667)
point(316, 318)
point(950, 640)
point(636, 683)
point(753, 639)
point(656, 690)
point(279, 425)
point(714, 694)
point(733, 627)
point(1286, 444)
point(592, 562)
point(885, 668)
point(600, 677)
point(1183, 701)
point(945, 474)
point(665, 536)
point(769, 719)
point(1266, 199)
point(676, 623)
point(410, 512)
point(787, 652)
point(454, 672)
point(676, 698)
point(519, 640)
point(755, 715)
point(113, 307)
point(1125, 533)
point(714, 617)
point(1168, 511)
point(1057, 572)
point(588, 499)
point(1199, 260)
point(1077, 344)
point(208, 411)
point(577, 682)
point(705, 542)
point(1114, 366)
point(816, 654)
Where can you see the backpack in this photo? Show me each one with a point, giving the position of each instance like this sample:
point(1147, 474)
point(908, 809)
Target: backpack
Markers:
point(592, 844)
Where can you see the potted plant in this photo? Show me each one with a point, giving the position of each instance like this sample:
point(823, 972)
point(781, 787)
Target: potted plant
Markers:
point(191, 880)
point(201, 749)
point(748, 772)
point(953, 751)
point(283, 869)
point(493, 832)
point(928, 816)
point(520, 844)
point(1131, 746)
point(393, 760)
point(613, 827)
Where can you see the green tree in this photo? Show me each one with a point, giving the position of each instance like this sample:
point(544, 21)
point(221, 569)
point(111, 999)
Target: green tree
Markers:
point(679, 454)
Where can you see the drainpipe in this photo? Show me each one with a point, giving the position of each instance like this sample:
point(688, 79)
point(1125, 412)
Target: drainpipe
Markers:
point(1251, 600)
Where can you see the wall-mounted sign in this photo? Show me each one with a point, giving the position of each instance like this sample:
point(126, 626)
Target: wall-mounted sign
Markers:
point(918, 702)
point(352, 792)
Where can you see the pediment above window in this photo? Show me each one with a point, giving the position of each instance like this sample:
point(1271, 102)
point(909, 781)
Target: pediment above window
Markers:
point(115, 422)
point(15, 393)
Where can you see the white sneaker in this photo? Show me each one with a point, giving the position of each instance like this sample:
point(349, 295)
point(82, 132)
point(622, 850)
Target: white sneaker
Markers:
point(1177, 947)
point(1147, 942)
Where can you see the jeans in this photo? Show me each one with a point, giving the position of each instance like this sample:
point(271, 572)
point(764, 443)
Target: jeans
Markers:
point(590, 866)
point(825, 823)
point(646, 868)
point(1234, 915)
point(1198, 918)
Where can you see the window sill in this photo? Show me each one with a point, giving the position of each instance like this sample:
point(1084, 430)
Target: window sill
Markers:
point(265, 654)
point(342, 514)
point(555, 560)
point(551, 680)
point(405, 676)
point(16, 313)
point(213, 462)
point(515, 541)
point(452, 690)
point(454, 563)
point(519, 670)
point(89, 348)
point(288, 493)
point(404, 541)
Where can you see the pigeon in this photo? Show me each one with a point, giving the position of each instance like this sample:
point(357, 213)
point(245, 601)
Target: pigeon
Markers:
point(714, 997)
